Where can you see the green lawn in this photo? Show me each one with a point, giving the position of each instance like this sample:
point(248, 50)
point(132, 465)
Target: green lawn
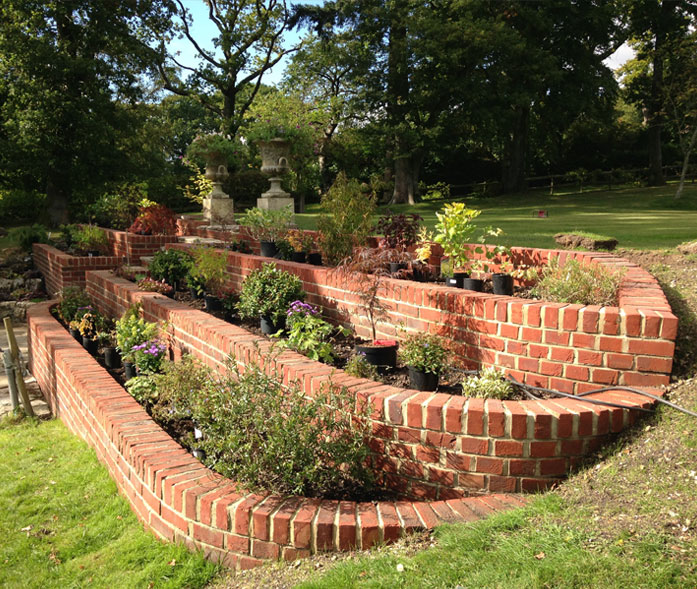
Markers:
point(64, 524)
point(644, 218)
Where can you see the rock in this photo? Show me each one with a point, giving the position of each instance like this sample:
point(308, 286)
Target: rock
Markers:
point(15, 309)
point(689, 247)
point(574, 241)
point(10, 284)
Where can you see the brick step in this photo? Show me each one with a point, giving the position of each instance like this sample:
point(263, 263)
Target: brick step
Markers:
point(192, 239)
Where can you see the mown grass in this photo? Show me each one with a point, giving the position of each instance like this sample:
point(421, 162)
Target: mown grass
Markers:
point(64, 524)
point(646, 218)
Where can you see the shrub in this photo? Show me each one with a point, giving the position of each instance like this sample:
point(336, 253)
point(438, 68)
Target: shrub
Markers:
point(170, 265)
point(300, 241)
point(267, 225)
point(133, 330)
point(488, 384)
point(423, 352)
point(453, 230)
point(346, 221)
point(92, 322)
point(399, 231)
point(308, 333)
point(118, 209)
point(578, 283)
point(24, 237)
point(208, 269)
point(72, 298)
point(358, 367)
point(154, 220)
point(437, 191)
point(149, 356)
point(267, 436)
point(91, 237)
point(268, 292)
point(21, 205)
point(143, 389)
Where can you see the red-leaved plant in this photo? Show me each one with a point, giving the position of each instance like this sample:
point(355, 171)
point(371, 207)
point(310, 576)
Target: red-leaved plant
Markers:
point(154, 220)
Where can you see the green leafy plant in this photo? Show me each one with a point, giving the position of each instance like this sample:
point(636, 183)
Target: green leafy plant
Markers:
point(149, 356)
point(269, 292)
point(208, 269)
point(170, 265)
point(578, 283)
point(25, 237)
point(72, 298)
point(143, 389)
point(308, 333)
point(216, 149)
point(358, 367)
point(267, 225)
point(118, 209)
point(278, 116)
point(437, 191)
point(132, 330)
point(270, 436)
point(91, 238)
point(423, 352)
point(285, 250)
point(92, 322)
point(300, 241)
point(453, 231)
point(346, 221)
point(490, 383)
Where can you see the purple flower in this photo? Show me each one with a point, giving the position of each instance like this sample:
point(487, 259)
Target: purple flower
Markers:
point(300, 307)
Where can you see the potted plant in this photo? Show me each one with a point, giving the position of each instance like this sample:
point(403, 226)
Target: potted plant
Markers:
point(91, 323)
point(452, 232)
point(489, 383)
point(107, 341)
point(73, 303)
point(267, 293)
point(170, 266)
point(209, 269)
point(91, 240)
point(132, 330)
point(400, 232)
point(425, 356)
point(229, 301)
point(159, 286)
point(302, 244)
point(267, 227)
point(154, 220)
point(363, 273)
point(215, 149)
point(148, 356)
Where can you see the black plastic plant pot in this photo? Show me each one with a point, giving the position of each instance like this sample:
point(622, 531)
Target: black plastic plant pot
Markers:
point(422, 381)
point(396, 267)
point(76, 334)
point(213, 303)
point(502, 283)
point(268, 327)
point(299, 257)
point(380, 355)
point(129, 370)
point(89, 344)
point(268, 248)
point(93, 253)
point(194, 293)
point(112, 358)
point(315, 259)
point(456, 279)
point(474, 284)
point(198, 454)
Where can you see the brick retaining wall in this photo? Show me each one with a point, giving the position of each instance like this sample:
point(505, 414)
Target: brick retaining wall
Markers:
point(429, 445)
point(179, 499)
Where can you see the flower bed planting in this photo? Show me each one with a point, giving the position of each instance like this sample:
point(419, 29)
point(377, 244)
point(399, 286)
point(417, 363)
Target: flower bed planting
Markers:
point(180, 499)
point(430, 445)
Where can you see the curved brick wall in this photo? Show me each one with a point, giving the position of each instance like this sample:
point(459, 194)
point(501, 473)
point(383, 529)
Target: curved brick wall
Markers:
point(571, 348)
point(429, 445)
point(180, 499)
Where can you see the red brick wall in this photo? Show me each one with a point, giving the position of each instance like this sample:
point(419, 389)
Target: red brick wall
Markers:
point(132, 246)
point(179, 499)
point(429, 445)
point(571, 348)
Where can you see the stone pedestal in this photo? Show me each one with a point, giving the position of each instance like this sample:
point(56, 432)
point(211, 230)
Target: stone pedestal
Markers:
point(219, 211)
point(275, 203)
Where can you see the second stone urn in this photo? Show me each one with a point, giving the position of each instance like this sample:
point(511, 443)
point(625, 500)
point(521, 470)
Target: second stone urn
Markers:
point(274, 163)
point(218, 207)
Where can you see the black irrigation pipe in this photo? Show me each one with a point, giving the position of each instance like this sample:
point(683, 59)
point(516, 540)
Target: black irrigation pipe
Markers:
point(581, 396)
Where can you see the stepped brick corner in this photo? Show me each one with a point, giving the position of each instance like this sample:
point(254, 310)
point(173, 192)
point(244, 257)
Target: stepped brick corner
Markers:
point(179, 499)
point(61, 269)
point(427, 445)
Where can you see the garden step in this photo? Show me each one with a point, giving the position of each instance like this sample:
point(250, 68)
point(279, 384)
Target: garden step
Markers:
point(192, 239)
point(145, 260)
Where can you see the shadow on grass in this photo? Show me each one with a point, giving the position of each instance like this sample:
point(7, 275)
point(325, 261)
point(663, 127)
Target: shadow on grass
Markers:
point(685, 361)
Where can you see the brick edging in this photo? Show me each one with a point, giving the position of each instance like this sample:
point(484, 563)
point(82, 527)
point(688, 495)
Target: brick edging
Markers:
point(179, 499)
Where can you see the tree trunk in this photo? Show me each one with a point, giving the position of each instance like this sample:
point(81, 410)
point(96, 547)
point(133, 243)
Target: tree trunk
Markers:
point(685, 162)
point(404, 190)
point(514, 166)
point(57, 203)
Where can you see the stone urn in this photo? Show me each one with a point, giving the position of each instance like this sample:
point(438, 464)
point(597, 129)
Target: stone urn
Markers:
point(218, 207)
point(274, 163)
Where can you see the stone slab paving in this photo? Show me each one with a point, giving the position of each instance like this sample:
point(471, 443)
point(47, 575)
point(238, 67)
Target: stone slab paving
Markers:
point(37, 401)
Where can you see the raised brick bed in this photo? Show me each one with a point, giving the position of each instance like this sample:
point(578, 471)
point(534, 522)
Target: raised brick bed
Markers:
point(61, 269)
point(429, 445)
point(179, 499)
point(570, 348)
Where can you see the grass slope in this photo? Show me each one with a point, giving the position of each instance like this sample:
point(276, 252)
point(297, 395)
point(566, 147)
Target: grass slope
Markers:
point(65, 525)
point(647, 218)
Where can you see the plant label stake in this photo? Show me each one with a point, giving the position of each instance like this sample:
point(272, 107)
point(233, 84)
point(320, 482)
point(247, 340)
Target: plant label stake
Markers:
point(19, 379)
point(10, 371)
